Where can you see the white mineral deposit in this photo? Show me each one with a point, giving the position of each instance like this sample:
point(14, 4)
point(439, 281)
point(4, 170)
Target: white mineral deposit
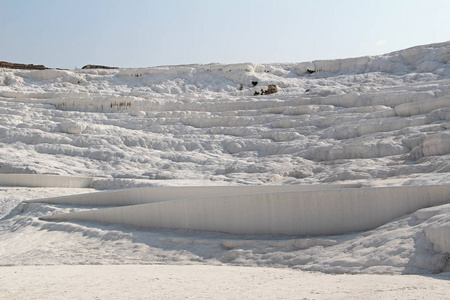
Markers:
point(181, 182)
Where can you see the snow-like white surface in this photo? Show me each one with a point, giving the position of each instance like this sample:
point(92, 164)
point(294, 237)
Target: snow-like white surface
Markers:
point(209, 282)
point(12, 197)
point(371, 121)
point(354, 119)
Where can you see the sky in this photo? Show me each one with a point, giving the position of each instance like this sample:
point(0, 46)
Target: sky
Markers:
point(139, 33)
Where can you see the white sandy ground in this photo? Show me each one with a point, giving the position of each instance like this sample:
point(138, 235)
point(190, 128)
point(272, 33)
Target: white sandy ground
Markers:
point(209, 282)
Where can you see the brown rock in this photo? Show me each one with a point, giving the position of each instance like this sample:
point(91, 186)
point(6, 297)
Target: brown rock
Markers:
point(4, 64)
point(271, 89)
point(97, 67)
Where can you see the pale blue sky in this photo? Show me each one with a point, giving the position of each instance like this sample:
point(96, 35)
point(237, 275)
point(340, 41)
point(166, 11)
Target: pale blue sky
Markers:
point(139, 33)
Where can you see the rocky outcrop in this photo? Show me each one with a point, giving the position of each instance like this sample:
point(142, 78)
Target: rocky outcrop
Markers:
point(97, 67)
point(271, 89)
point(4, 64)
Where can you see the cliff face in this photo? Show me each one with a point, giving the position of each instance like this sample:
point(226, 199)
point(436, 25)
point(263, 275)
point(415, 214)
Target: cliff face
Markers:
point(4, 64)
